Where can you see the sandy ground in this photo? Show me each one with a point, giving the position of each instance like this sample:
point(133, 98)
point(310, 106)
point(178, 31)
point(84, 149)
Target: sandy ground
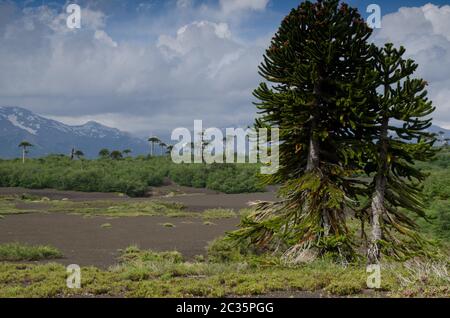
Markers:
point(84, 241)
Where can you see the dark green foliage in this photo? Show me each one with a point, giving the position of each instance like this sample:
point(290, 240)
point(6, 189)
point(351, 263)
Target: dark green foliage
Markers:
point(234, 178)
point(436, 190)
point(228, 178)
point(132, 176)
point(398, 140)
point(316, 64)
point(189, 175)
point(104, 153)
point(343, 107)
point(116, 155)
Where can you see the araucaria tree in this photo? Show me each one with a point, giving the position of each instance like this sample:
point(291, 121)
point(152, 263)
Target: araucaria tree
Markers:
point(153, 140)
point(104, 153)
point(316, 66)
point(24, 145)
point(399, 139)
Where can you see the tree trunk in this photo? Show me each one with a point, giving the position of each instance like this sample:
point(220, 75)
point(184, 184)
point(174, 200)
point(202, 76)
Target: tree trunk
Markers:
point(23, 154)
point(314, 163)
point(378, 200)
point(313, 152)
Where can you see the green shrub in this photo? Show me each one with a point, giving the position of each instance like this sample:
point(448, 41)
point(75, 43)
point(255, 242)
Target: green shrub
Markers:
point(131, 176)
point(23, 252)
point(224, 250)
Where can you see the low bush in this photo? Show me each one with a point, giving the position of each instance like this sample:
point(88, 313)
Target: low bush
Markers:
point(23, 252)
point(132, 176)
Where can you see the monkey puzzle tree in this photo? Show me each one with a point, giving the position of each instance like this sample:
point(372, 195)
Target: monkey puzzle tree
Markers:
point(153, 140)
point(169, 149)
point(317, 63)
point(399, 138)
point(24, 145)
point(162, 145)
point(104, 153)
point(126, 152)
point(116, 155)
point(79, 154)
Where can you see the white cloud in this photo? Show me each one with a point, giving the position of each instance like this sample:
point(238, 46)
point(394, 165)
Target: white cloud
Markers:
point(229, 6)
point(102, 36)
point(196, 35)
point(425, 33)
point(196, 71)
point(183, 4)
point(199, 72)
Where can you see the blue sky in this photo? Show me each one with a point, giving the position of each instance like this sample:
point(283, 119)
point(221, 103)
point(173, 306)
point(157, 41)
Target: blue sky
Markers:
point(151, 66)
point(120, 13)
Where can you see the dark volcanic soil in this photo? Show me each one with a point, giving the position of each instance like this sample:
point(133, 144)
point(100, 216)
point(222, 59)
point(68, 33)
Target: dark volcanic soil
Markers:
point(194, 199)
point(227, 201)
point(84, 242)
point(59, 195)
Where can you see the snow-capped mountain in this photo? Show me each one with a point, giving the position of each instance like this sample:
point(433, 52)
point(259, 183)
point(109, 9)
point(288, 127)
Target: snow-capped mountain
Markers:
point(50, 136)
point(438, 131)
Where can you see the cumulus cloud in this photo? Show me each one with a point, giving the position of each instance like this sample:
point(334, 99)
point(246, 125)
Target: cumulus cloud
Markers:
point(425, 33)
point(197, 72)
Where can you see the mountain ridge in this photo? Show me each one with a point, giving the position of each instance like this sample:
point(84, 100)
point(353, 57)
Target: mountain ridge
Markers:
point(51, 136)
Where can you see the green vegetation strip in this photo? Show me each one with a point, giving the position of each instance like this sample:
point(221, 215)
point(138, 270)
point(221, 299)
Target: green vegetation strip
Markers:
point(8, 205)
point(227, 271)
point(132, 176)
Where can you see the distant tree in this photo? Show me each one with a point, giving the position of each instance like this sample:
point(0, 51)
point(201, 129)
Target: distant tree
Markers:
point(24, 145)
point(116, 155)
point(79, 154)
point(104, 153)
point(126, 152)
point(441, 138)
point(153, 140)
point(169, 149)
point(162, 145)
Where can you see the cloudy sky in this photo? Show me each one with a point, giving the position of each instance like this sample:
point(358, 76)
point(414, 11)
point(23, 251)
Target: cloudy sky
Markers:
point(148, 67)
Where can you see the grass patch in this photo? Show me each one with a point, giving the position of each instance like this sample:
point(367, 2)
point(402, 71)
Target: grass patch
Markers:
point(119, 209)
point(108, 208)
point(169, 225)
point(211, 214)
point(106, 226)
point(8, 206)
point(166, 274)
point(23, 252)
